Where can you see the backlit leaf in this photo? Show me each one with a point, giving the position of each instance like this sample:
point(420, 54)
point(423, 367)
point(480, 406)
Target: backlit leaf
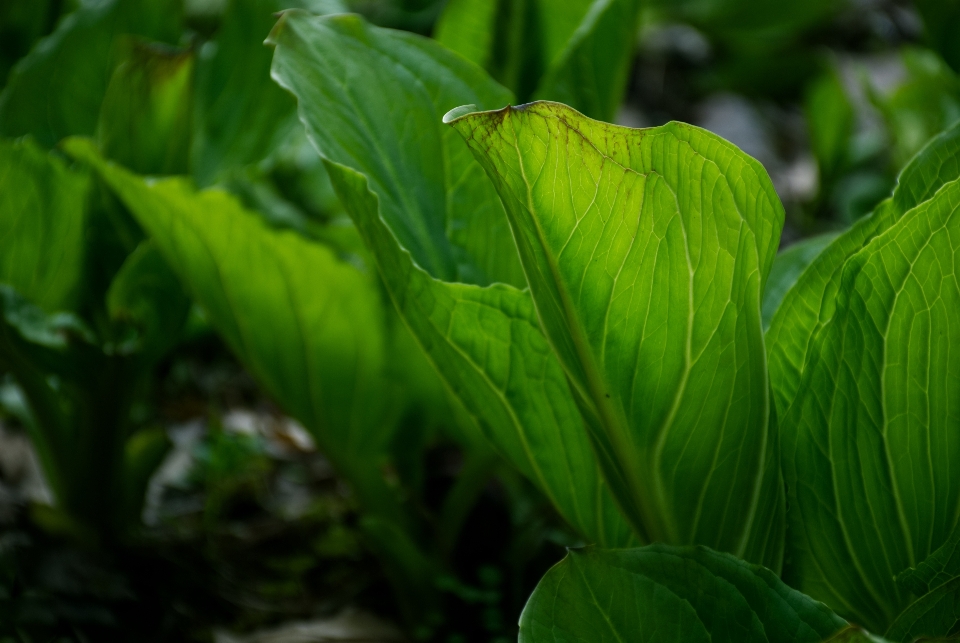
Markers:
point(646, 252)
point(868, 416)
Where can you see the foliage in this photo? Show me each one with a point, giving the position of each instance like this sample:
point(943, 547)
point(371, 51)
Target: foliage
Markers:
point(589, 323)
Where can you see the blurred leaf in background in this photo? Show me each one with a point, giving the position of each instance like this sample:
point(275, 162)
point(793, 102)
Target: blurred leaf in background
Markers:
point(578, 52)
point(145, 118)
point(56, 90)
point(940, 20)
point(923, 105)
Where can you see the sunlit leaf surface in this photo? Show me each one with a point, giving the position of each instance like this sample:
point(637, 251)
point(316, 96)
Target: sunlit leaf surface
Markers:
point(646, 252)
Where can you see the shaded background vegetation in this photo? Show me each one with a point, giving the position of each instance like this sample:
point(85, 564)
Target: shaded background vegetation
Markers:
point(245, 524)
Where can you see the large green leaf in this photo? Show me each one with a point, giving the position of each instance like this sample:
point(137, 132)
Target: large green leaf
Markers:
point(646, 252)
point(42, 220)
point(488, 347)
point(57, 89)
point(661, 593)
point(869, 436)
point(308, 326)
point(372, 100)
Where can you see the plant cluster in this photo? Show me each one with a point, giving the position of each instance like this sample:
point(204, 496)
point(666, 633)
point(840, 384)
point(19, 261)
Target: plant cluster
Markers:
point(752, 446)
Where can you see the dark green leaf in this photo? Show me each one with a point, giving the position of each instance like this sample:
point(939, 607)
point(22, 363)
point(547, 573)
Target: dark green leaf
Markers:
point(934, 614)
point(661, 593)
point(578, 52)
point(143, 453)
point(787, 268)
point(940, 18)
point(830, 120)
point(590, 73)
point(57, 89)
point(147, 295)
point(938, 568)
point(240, 117)
point(854, 634)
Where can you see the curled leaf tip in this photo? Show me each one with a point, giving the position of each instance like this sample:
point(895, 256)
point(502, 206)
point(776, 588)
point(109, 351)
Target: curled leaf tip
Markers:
point(457, 112)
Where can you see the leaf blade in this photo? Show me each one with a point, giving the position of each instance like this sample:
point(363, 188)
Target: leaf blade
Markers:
point(659, 593)
point(570, 184)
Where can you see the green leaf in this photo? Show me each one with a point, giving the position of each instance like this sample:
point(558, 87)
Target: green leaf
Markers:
point(787, 268)
point(372, 99)
point(487, 345)
point(830, 119)
point(854, 634)
point(868, 438)
point(926, 103)
point(661, 593)
point(646, 252)
point(467, 27)
point(502, 36)
point(147, 294)
point(812, 301)
point(239, 117)
point(76, 422)
point(146, 113)
point(309, 327)
point(42, 220)
point(591, 72)
point(940, 18)
point(22, 23)
point(934, 614)
point(938, 568)
point(936, 581)
point(750, 25)
point(57, 89)
point(574, 51)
